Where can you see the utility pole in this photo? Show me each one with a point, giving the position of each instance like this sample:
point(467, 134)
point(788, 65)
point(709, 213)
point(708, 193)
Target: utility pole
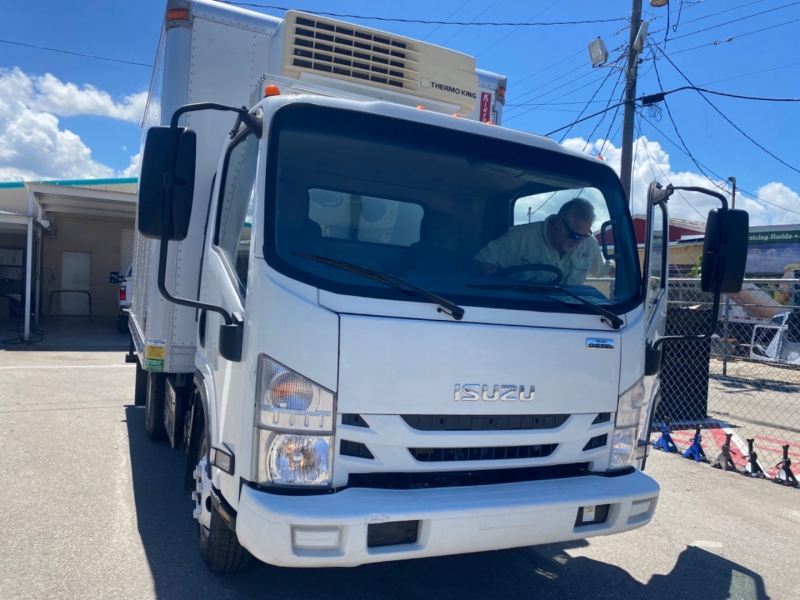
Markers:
point(733, 191)
point(626, 163)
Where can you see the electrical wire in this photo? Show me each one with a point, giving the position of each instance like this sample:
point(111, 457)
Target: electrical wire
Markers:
point(738, 188)
point(597, 91)
point(428, 22)
point(720, 113)
point(651, 160)
point(721, 12)
point(749, 74)
point(510, 33)
point(473, 20)
point(677, 132)
point(728, 95)
point(435, 29)
point(685, 35)
point(610, 99)
point(116, 60)
point(737, 37)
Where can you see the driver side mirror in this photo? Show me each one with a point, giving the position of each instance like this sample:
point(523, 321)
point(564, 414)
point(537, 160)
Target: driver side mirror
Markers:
point(159, 183)
point(724, 250)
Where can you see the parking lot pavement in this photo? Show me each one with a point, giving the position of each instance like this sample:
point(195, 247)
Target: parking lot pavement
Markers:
point(92, 509)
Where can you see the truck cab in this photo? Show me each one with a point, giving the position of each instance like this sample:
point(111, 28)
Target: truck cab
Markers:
point(414, 334)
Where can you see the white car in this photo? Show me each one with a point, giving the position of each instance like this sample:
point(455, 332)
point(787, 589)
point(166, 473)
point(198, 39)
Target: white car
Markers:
point(125, 294)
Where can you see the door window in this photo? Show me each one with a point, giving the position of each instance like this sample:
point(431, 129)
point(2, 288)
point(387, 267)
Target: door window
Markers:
point(235, 212)
point(656, 268)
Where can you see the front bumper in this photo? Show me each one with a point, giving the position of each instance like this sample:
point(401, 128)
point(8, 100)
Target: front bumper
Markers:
point(281, 530)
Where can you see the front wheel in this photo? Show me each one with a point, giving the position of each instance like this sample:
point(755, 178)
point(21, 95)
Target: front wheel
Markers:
point(154, 407)
point(218, 544)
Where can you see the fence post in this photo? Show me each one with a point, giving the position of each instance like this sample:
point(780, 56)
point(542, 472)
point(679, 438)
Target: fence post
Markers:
point(725, 336)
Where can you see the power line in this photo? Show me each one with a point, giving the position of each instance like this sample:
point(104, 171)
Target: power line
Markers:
point(740, 189)
point(597, 91)
point(561, 96)
point(735, 21)
point(656, 97)
point(677, 132)
point(610, 99)
point(650, 162)
point(726, 11)
point(737, 37)
point(435, 29)
point(427, 22)
point(510, 33)
point(473, 20)
point(116, 60)
point(752, 73)
point(720, 113)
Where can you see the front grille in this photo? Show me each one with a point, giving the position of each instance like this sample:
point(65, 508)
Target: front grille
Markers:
point(484, 422)
point(597, 441)
point(354, 420)
point(602, 418)
point(356, 449)
point(490, 453)
point(411, 481)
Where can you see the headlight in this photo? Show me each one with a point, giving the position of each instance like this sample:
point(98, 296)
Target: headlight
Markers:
point(294, 427)
point(287, 401)
point(626, 430)
point(293, 459)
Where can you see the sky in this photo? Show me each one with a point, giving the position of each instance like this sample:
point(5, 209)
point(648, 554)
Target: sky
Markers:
point(64, 116)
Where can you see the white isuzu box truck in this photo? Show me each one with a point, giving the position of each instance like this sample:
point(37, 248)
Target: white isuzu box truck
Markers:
point(380, 325)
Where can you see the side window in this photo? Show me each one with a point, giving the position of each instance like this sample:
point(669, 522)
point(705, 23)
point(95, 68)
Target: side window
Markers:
point(236, 202)
point(655, 271)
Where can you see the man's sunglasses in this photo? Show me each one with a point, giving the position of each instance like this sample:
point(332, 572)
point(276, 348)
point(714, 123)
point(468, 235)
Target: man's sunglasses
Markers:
point(574, 235)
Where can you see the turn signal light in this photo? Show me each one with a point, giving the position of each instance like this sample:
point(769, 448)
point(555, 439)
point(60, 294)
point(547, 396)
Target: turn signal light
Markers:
point(178, 14)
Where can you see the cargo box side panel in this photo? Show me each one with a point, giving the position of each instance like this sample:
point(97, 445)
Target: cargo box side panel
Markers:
point(227, 63)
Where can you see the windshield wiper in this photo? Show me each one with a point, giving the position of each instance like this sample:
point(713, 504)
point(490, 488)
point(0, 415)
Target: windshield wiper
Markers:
point(445, 306)
point(610, 318)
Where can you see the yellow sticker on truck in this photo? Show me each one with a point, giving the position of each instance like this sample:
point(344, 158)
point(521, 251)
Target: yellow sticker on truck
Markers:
point(154, 353)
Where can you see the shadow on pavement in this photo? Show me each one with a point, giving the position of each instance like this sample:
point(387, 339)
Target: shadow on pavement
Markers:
point(168, 533)
point(64, 334)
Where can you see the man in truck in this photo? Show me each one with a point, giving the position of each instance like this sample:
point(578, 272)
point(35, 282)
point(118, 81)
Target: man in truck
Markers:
point(563, 240)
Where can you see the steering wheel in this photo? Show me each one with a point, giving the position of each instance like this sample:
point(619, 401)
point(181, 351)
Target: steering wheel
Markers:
point(559, 274)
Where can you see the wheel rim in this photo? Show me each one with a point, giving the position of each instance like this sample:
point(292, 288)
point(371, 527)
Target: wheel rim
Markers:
point(201, 496)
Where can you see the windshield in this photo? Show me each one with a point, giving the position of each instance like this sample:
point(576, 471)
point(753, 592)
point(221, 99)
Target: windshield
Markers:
point(465, 217)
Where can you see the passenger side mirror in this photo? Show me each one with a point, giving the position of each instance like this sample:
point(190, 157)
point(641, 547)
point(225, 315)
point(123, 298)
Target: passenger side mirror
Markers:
point(167, 179)
point(724, 251)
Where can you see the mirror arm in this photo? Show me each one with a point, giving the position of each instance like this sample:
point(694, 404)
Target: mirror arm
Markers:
point(689, 188)
point(166, 206)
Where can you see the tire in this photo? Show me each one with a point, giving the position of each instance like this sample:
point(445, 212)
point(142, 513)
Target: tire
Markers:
point(122, 323)
point(140, 392)
point(154, 407)
point(219, 547)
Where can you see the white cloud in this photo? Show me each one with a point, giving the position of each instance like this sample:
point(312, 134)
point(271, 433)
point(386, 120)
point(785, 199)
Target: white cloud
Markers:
point(651, 162)
point(32, 143)
point(132, 170)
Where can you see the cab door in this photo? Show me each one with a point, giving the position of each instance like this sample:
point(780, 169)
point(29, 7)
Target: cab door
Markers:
point(656, 276)
point(228, 257)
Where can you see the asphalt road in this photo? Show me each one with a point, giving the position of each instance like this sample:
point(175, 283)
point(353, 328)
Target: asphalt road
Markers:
point(91, 509)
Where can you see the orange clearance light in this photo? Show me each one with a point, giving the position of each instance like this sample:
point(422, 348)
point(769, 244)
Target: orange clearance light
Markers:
point(601, 158)
point(490, 122)
point(457, 115)
point(420, 107)
point(178, 14)
point(271, 90)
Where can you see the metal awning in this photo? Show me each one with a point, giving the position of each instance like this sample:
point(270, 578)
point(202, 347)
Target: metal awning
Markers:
point(25, 207)
point(73, 200)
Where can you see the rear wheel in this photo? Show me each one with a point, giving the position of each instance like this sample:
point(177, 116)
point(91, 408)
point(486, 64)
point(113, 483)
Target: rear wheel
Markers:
point(140, 392)
point(218, 544)
point(154, 407)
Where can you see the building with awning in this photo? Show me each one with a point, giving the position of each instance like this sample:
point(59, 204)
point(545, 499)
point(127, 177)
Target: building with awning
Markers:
point(62, 243)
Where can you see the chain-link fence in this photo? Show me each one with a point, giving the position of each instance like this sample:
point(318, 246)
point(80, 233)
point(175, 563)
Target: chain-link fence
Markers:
point(745, 380)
